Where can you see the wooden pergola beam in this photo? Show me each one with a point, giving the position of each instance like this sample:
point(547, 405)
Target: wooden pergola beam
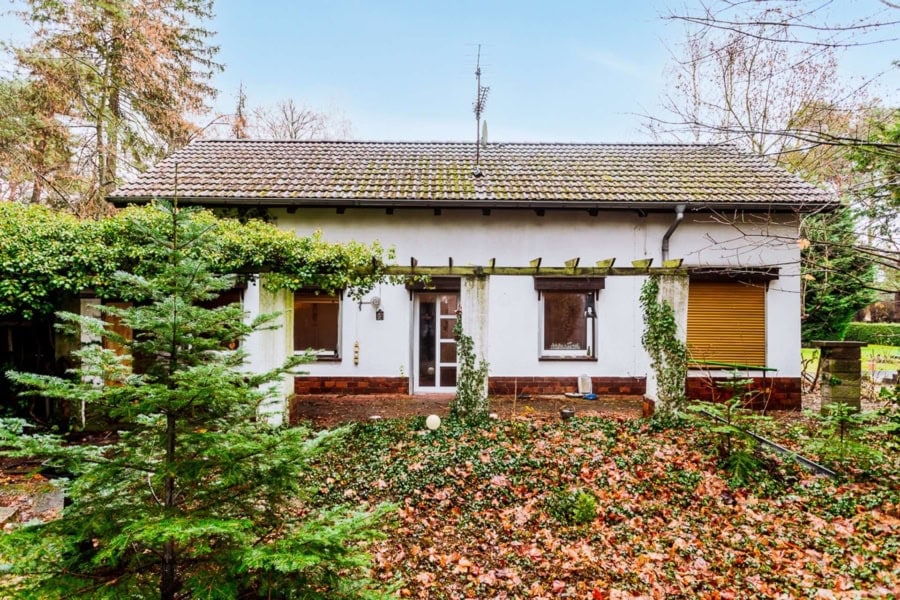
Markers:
point(437, 271)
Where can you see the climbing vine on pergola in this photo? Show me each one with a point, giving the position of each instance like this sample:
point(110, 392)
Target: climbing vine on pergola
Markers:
point(46, 256)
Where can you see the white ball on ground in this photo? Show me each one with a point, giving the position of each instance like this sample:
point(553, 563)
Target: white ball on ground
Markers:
point(433, 422)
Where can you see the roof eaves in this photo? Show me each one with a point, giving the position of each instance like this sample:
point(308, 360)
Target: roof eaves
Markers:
point(657, 205)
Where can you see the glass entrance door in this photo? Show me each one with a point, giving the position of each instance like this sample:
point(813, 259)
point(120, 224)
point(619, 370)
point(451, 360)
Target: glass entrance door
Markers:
point(435, 346)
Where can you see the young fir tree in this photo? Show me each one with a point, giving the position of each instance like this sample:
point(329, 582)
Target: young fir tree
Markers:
point(197, 497)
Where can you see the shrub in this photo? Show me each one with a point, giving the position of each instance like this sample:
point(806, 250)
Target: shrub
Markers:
point(572, 507)
point(886, 334)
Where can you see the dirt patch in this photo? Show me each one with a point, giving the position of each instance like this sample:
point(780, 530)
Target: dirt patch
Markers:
point(330, 410)
point(25, 494)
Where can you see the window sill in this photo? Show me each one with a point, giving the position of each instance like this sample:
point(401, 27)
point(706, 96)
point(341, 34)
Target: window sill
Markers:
point(567, 358)
point(323, 357)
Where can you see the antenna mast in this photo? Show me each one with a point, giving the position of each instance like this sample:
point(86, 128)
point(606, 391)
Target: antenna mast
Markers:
point(481, 93)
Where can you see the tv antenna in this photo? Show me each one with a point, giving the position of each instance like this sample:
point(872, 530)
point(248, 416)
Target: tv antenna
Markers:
point(481, 94)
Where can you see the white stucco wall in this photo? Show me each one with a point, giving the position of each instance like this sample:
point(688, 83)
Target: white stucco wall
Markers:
point(512, 318)
point(270, 347)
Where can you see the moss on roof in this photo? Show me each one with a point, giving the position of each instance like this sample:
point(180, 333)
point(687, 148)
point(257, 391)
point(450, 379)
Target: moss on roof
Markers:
point(231, 171)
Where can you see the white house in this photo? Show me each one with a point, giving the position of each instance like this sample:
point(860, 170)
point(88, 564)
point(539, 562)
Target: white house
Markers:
point(515, 240)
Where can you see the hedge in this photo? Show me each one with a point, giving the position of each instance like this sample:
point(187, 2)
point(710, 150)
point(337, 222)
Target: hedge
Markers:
point(886, 334)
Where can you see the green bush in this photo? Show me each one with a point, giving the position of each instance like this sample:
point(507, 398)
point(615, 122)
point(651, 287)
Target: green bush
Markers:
point(886, 334)
point(572, 507)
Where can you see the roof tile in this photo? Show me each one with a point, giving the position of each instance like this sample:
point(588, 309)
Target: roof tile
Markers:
point(408, 172)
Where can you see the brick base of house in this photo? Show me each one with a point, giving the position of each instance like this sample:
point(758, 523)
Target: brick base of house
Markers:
point(771, 393)
point(308, 384)
point(498, 386)
point(604, 386)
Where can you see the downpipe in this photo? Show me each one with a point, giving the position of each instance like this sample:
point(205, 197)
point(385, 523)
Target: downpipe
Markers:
point(679, 217)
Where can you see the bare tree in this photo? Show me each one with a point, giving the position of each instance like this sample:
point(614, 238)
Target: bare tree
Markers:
point(288, 120)
point(763, 75)
point(239, 122)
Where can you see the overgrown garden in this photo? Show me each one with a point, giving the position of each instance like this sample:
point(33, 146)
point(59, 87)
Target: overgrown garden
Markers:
point(193, 494)
point(602, 508)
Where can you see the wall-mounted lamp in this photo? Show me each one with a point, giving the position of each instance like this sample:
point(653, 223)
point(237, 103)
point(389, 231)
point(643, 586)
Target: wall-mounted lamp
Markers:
point(590, 311)
point(375, 301)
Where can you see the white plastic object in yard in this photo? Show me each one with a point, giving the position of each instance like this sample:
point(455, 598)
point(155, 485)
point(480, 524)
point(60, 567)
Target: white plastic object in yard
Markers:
point(584, 384)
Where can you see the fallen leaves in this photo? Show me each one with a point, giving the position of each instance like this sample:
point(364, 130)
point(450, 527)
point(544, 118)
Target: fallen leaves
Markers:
point(472, 521)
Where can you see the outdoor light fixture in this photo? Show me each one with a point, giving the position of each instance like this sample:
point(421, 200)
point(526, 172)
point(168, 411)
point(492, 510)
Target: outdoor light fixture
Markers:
point(375, 301)
point(589, 310)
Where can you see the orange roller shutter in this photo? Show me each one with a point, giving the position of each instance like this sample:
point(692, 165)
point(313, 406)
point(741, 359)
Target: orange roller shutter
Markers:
point(727, 322)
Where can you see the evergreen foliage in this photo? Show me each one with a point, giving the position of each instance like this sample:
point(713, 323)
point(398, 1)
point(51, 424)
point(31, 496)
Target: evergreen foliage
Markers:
point(879, 197)
point(196, 497)
point(837, 278)
point(124, 75)
point(470, 405)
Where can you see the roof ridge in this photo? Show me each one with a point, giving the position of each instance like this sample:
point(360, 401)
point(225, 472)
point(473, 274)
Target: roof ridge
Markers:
point(461, 143)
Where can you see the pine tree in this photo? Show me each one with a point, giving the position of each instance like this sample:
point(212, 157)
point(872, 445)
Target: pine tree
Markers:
point(125, 75)
point(196, 497)
point(837, 278)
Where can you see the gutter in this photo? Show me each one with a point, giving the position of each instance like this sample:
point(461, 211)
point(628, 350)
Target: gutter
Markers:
point(225, 202)
point(679, 217)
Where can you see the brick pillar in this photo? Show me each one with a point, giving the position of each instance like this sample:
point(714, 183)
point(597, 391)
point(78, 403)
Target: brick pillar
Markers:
point(840, 372)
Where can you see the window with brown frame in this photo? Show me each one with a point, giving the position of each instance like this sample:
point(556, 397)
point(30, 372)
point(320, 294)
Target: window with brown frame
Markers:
point(566, 331)
point(317, 324)
point(727, 322)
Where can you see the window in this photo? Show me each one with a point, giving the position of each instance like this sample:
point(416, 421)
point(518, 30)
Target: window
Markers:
point(317, 324)
point(727, 322)
point(566, 331)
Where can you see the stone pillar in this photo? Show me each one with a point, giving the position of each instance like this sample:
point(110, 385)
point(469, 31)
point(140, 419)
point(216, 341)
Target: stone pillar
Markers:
point(840, 372)
point(270, 347)
point(673, 290)
point(474, 303)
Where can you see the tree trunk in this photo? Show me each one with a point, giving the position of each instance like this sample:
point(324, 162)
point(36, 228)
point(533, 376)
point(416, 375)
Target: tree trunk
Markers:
point(108, 182)
point(168, 582)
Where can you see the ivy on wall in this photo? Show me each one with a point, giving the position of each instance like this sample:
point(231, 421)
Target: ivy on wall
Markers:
point(668, 353)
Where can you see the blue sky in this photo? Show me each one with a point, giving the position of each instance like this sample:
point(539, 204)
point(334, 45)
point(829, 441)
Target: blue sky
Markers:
point(564, 70)
point(569, 71)
point(580, 71)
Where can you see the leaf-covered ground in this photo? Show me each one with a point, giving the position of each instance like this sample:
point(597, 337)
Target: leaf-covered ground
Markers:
point(474, 517)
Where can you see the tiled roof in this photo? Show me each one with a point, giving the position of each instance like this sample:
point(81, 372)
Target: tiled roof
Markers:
point(432, 174)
